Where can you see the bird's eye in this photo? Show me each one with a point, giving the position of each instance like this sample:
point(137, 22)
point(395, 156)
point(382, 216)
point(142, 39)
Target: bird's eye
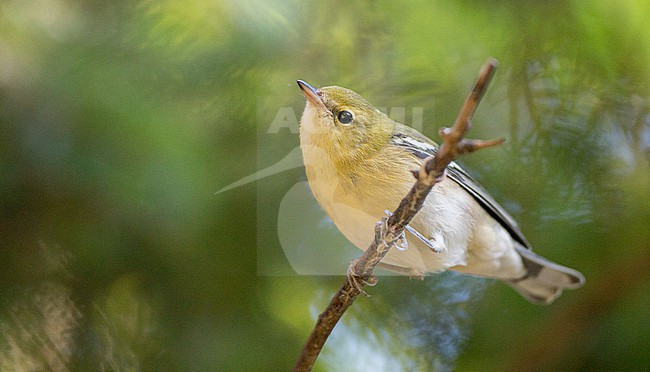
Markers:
point(345, 117)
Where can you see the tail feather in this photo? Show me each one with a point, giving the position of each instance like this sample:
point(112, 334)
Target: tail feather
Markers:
point(545, 280)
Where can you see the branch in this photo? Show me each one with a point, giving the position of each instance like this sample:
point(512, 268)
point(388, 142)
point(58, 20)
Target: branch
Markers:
point(389, 230)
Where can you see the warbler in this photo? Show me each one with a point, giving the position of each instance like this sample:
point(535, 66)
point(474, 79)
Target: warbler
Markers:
point(358, 163)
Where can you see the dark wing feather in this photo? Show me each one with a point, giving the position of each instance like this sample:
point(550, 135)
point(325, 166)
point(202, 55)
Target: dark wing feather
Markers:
point(458, 174)
point(422, 147)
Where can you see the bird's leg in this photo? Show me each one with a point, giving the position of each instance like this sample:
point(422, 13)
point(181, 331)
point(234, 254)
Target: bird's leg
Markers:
point(436, 243)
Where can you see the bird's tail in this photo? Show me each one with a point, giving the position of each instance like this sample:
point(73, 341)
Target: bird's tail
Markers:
point(544, 280)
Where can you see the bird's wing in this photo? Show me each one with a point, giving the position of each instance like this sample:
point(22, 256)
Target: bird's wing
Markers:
point(422, 147)
point(458, 174)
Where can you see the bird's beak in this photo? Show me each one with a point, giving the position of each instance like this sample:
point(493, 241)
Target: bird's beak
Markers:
point(313, 95)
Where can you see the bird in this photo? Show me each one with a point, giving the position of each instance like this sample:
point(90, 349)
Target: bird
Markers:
point(358, 163)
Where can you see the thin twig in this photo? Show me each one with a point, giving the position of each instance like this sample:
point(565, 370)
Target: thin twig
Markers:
point(389, 230)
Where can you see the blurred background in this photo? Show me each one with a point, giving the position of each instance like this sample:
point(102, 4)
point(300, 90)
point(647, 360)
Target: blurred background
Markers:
point(123, 123)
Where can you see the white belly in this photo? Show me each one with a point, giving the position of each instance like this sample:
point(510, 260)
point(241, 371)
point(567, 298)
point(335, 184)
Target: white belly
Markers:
point(356, 217)
point(470, 239)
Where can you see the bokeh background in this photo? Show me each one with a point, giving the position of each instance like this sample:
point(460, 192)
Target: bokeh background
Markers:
point(121, 120)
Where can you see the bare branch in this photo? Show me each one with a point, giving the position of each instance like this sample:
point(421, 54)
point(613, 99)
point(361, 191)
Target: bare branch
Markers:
point(389, 230)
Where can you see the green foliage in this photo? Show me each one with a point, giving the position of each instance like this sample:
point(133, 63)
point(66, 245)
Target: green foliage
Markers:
point(120, 120)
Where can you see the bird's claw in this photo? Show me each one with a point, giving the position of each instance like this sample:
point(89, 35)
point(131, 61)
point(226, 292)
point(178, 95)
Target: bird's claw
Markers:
point(357, 281)
point(400, 243)
point(436, 243)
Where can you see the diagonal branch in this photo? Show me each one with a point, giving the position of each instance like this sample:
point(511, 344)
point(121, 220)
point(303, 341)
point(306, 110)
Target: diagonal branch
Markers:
point(390, 230)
